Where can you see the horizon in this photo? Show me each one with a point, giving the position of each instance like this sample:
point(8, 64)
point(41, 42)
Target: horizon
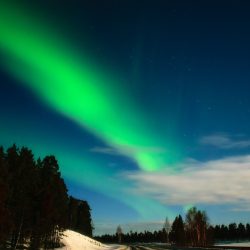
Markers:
point(145, 106)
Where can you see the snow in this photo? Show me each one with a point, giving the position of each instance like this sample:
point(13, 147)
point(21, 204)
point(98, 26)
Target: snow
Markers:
point(235, 244)
point(76, 241)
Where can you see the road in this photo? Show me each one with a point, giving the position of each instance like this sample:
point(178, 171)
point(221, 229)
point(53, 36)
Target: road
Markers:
point(148, 247)
point(164, 247)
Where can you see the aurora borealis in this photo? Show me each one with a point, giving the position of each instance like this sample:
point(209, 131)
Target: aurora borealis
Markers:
point(75, 89)
point(159, 101)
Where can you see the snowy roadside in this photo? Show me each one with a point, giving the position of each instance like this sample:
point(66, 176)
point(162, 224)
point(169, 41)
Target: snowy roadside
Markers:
point(235, 244)
point(76, 241)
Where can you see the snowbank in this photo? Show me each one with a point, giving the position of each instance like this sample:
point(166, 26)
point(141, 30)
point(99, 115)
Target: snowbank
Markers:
point(235, 244)
point(76, 241)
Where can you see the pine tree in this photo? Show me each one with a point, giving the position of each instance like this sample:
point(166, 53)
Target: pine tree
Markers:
point(177, 234)
point(5, 222)
point(34, 203)
point(79, 216)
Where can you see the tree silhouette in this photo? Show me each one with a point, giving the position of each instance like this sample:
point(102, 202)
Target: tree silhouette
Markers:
point(196, 227)
point(119, 233)
point(34, 203)
point(177, 234)
point(166, 229)
point(79, 216)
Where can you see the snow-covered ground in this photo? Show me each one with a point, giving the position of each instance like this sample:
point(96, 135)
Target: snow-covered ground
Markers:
point(77, 241)
point(236, 244)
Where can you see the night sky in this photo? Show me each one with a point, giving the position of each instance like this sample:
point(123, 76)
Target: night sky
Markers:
point(145, 104)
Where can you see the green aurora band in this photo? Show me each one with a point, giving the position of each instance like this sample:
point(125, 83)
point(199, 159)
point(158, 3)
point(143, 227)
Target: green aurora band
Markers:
point(74, 86)
point(84, 171)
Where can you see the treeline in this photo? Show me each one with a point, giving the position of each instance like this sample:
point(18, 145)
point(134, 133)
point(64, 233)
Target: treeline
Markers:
point(232, 232)
point(133, 237)
point(35, 207)
point(194, 230)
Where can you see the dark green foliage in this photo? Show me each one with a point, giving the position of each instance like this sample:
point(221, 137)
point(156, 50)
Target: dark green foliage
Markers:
point(232, 232)
point(134, 237)
point(79, 216)
point(177, 233)
point(5, 222)
point(196, 227)
point(34, 203)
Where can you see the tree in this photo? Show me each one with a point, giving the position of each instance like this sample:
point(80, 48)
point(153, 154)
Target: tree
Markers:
point(166, 229)
point(119, 234)
point(190, 225)
point(34, 201)
point(247, 231)
point(232, 230)
point(177, 234)
point(241, 231)
point(201, 227)
point(54, 204)
point(5, 222)
point(196, 227)
point(21, 168)
point(79, 216)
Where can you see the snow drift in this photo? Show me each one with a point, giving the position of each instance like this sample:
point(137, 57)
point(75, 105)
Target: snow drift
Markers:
point(76, 241)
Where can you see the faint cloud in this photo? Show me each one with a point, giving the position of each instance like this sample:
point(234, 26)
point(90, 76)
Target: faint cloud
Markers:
point(242, 208)
point(224, 141)
point(223, 181)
